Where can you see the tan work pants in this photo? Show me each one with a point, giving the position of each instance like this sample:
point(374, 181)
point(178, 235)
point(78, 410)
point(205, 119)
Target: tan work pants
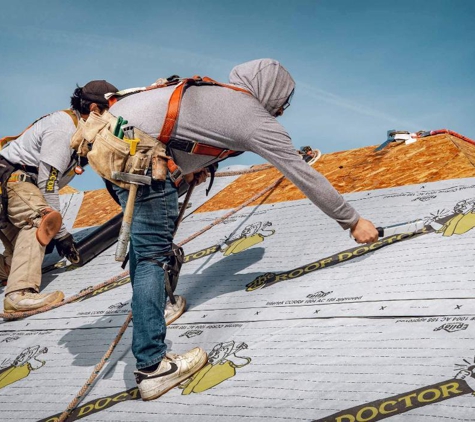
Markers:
point(25, 202)
point(4, 266)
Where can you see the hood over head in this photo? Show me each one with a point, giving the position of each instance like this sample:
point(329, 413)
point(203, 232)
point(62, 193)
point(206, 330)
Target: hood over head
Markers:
point(265, 79)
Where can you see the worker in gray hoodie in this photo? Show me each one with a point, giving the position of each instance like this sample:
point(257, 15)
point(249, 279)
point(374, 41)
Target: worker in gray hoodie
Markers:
point(228, 119)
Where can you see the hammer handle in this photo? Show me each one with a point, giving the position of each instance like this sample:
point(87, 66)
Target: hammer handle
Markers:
point(124, 235)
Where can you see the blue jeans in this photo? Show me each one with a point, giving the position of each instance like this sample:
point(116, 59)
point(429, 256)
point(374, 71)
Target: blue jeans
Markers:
point(153, 224)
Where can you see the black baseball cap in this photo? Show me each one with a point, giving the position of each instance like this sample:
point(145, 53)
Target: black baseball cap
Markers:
point(94, 91)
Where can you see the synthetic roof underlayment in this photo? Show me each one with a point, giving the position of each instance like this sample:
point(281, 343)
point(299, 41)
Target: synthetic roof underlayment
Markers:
point(300, 323)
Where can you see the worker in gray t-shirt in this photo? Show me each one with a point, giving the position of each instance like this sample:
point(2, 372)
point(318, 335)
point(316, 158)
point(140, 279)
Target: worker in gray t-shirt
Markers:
point(41, 162)
point(212, 117)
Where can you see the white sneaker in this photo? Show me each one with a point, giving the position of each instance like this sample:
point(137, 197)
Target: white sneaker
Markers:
point(29, 300)
point(173, 312)
point(173, 369)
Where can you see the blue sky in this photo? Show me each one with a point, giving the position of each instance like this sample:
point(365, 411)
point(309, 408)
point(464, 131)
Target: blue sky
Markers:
point(361, 67)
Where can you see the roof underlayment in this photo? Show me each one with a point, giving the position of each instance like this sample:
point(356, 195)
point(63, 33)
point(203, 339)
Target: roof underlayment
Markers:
point(301, 323)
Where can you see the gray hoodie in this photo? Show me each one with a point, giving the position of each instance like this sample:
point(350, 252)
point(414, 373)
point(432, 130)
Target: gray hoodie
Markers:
point(235, 120)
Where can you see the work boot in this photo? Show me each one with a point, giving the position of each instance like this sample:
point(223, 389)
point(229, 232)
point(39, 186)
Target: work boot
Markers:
point(50, 224)
point(173, 370)
point(29, 300)
point(173, 312)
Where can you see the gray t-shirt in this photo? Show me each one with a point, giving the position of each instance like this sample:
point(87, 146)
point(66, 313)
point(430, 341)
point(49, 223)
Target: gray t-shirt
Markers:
point(47, 141)
point(46, 146)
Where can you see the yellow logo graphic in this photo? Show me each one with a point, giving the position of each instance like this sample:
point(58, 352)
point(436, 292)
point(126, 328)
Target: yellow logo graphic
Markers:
point(222, 365)
point(461, 221)
point(21, 367)
point(53, 176)
point(251, 235)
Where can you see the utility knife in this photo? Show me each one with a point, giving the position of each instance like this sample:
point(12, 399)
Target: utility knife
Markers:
point(407, 227)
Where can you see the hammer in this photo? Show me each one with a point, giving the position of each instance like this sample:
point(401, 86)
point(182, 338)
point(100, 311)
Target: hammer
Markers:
point(135, 181)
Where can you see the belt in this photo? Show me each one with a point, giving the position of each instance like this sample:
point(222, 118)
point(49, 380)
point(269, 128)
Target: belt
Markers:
point(28, 169)
point(193, 147)
point(21, 177)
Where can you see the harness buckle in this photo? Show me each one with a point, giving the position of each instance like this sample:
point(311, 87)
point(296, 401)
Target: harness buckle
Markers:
point(194, 145)
point(20, 177)
point(223, 153)
point(23, 177)
point(182, 145)
point(176, 175)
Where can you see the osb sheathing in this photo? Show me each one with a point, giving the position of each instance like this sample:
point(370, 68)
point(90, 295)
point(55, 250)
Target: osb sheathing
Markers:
point(67, 189)
point(467, 148)
point(97, 207)
point(429, 159)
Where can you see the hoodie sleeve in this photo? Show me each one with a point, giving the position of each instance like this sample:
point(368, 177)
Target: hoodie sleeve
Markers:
point(272, 142)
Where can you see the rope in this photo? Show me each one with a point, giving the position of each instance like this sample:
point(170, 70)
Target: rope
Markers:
point(247, 171)
point(316, 157)
point(18, 315)
point(96, 371)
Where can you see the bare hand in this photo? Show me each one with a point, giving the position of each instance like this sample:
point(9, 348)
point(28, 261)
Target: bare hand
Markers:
point(198, 177)
point(364, 231)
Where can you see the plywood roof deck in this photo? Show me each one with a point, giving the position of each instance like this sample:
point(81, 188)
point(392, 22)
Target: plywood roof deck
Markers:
point(433, 158)
point(68, 189)
point(429, 159)
point(97, 207)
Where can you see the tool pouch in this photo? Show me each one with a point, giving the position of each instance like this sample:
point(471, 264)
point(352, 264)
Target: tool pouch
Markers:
point(107, 153)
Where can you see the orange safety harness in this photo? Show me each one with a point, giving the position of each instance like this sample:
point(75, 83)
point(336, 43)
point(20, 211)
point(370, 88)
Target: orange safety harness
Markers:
point(174, 104)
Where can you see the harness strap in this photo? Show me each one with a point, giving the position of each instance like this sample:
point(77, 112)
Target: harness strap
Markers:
point(167, 271)
point(171, 269)
point(193, 147)
point(73, 116)
point(173, 111)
